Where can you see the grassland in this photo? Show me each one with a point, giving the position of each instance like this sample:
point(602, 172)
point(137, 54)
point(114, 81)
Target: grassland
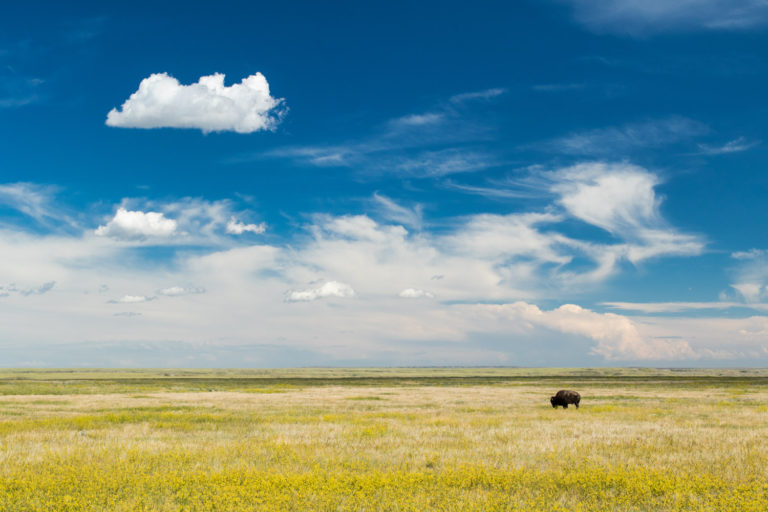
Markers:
point(382, 439)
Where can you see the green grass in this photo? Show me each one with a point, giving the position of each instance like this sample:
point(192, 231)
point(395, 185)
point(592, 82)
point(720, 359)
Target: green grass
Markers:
point(382, 439)
point(83, 381)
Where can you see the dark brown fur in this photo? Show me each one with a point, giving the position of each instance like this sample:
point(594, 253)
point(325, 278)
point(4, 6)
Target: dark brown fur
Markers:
point(565, 397)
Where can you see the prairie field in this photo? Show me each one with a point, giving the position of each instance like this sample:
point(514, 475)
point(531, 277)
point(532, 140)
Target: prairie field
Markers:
point(382, 439)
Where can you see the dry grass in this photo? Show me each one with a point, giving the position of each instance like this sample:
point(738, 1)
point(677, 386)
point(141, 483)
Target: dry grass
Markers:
point(499, 446)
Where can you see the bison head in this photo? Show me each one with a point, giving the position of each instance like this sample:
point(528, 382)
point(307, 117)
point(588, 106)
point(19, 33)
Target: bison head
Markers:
point(552, 400)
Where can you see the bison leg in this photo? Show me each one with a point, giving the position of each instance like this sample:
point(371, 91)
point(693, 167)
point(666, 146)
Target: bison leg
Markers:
point(565, 406)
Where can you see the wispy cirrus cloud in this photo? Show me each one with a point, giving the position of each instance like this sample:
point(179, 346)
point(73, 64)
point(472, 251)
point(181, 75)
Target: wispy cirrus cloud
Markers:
point(750, 275)
point(19, 85)
point(391, 210)
point(681, 307)
point(18, 91)
point(484, 95)
point(648, 17)
point(619, 198)
point(624, 139)
point(177, 291)
point(6, 290)
point(37, 202)
point(733, 146)
point(438, 142)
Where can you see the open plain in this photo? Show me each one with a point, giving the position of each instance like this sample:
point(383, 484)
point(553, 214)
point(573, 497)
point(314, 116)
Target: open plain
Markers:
point(382, 439)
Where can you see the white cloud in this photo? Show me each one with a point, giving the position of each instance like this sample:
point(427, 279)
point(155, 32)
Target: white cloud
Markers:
point(751, 275)
point(679, 307)
point(620, 198)
point(247, 306)
point(131, 299)
point(418, 119)
point(734, 146)
point(501, 237)
point(619, 140)
point(752, 292)
point(328, 289)
point(132, 225)
point(208, 105)
point(176, 291)
point(750, 254)
point(44, 288)
point(503, 259)
point(442, 162)
point(423, 145)
point(415, 293)
point(35, 201)
point(391, 210)
point(235, 227)
point(6, 290)
point(18, 90)
point(637, 18)
point(486, 94)
point(617, 336)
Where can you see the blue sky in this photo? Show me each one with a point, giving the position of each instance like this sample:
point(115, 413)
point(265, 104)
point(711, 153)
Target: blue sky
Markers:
point(565, 183)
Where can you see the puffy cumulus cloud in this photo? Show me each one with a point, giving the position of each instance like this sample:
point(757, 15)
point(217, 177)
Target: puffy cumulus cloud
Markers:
point(617, 337)
point(133, 225)
point(329, 289)
point(637, 18)
point(415, 293)
point(356, 227)
point(176, 291)
point(185, 221)
point(235, 227)
point(208, 105)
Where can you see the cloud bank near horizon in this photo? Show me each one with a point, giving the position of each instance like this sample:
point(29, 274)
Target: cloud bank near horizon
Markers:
point(360, 270)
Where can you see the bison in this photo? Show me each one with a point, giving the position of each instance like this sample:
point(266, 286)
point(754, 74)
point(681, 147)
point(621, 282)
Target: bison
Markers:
point(565, 397)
